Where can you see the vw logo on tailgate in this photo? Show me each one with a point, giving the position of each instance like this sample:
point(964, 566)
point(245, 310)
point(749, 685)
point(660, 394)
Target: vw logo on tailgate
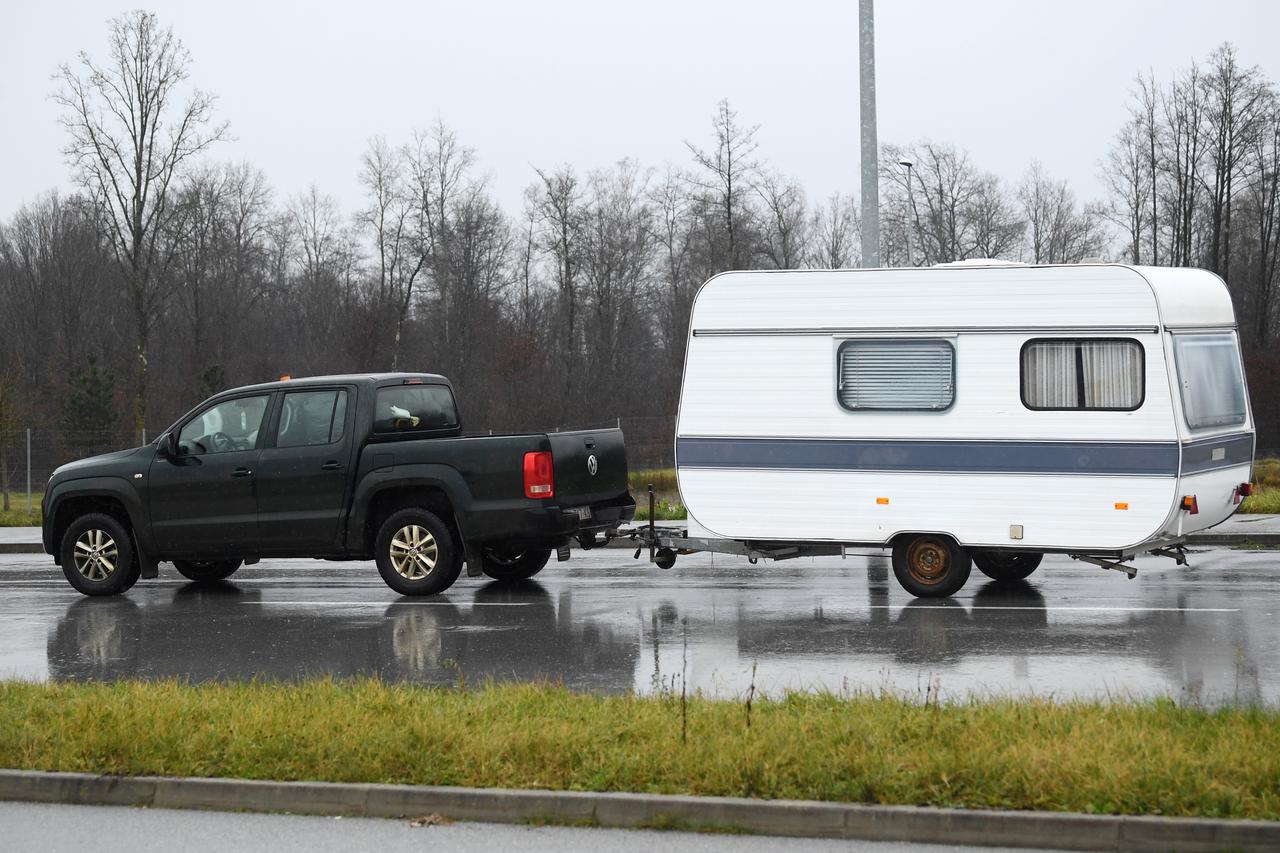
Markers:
point(592, 465)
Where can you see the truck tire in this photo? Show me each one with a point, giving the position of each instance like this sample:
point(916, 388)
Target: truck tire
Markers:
point(97, 555)
point(930, 566)
point(206, 571)
point(1007, 566)
point(416, 553)
point(507, 565)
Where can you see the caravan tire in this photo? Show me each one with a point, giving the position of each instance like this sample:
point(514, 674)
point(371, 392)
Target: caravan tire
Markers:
point(930, 566)
point(1007, 566)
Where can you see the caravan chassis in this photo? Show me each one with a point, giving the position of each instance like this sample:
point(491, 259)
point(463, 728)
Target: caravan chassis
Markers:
point(666, 543)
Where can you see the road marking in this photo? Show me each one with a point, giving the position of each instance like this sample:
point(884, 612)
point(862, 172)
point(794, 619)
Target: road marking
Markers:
point(1100, 609)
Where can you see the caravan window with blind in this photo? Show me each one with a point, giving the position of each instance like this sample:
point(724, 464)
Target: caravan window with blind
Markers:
point(896, 374)
point(1101, 375)
point(1212, 386)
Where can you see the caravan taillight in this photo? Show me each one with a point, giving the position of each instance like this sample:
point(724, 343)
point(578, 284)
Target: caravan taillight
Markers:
point(538, 479)
point(1190, 505)
point(1246, 490)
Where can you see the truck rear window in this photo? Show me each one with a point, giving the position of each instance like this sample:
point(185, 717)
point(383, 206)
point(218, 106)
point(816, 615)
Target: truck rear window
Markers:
point(406, 408)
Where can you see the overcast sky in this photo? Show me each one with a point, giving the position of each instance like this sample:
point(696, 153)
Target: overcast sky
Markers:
point(540, 82)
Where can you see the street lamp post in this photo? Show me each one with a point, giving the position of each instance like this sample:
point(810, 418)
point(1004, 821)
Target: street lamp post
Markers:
point(911, 203)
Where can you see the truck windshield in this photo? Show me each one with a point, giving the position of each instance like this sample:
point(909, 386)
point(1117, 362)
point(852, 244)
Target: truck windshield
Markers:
point(1212, 385)
point(403, 408)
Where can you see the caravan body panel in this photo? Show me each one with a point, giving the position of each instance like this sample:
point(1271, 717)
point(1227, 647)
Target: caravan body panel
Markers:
point(767, 448)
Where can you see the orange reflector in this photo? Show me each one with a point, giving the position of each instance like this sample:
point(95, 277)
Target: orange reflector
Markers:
point(1190, 504)
point(1122, 505)
point(882, 501)
point(285, 378)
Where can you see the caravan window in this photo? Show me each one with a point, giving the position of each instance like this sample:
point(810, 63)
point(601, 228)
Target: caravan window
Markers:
point(896, 374)
point(1212, 387)
point(1083, 374)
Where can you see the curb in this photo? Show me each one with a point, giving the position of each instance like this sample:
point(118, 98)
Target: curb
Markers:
point(797, 818)
point(21, 548)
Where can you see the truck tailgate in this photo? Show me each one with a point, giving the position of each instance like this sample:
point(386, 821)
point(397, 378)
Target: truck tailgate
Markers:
point(590, 466)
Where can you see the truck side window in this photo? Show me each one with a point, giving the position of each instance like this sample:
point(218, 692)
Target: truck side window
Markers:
point(909, 373)
point(404, 408)
point(226, 427)
point(311, 418)
point(1098, 374)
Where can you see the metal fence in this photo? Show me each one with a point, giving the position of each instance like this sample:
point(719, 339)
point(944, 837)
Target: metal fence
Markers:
point(29, 456)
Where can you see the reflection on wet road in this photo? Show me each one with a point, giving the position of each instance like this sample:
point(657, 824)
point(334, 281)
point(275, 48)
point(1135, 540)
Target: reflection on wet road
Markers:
point(604, 622)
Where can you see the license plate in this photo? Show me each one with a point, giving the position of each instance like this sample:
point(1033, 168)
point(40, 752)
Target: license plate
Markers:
point(583, 512)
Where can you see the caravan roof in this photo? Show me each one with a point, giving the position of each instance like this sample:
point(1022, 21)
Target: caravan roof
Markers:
point(961, 297)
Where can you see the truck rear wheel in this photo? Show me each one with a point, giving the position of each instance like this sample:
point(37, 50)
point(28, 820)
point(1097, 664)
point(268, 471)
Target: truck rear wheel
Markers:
point(1007, 566)
point(97, 555)
point(930, 566)
point(416, 553)
point(508, 564)
point(206, 571)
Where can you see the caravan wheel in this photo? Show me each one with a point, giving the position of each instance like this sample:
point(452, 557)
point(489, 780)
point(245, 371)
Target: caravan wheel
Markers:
point(930, 566)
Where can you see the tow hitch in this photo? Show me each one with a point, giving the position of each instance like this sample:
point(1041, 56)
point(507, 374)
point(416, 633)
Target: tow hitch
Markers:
point(1131, 571)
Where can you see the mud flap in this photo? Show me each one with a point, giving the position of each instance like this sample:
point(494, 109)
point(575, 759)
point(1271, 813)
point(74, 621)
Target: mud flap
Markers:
point(475, 565)
point(150, 567)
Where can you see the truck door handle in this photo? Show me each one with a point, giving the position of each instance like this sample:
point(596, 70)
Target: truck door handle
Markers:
point(332, 466)
point(242, 472)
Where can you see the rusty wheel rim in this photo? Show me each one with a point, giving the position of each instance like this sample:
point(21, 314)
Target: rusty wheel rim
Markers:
point(928, 561)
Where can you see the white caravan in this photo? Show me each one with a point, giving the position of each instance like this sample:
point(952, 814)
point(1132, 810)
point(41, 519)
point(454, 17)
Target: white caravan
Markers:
point(975, 412)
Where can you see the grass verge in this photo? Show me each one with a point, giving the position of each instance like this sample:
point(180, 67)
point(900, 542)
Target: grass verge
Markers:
point(17, 515)
point(1131, 758)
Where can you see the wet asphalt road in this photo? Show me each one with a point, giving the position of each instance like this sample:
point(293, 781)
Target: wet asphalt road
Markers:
point(1207, 633)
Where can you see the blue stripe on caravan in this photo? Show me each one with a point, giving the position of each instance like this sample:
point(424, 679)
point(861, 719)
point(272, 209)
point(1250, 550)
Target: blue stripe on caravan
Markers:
point(1198, 456)
point(986, 457)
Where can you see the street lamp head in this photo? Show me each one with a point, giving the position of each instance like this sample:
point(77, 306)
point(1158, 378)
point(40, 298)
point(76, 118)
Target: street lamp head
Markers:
point(906, 163)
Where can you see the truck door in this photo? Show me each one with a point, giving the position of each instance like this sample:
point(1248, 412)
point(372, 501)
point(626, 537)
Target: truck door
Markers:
point(303, 473)
point(202, 501)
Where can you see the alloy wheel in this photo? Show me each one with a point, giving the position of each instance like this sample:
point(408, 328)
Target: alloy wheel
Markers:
point(414, 552)
point(96, 554)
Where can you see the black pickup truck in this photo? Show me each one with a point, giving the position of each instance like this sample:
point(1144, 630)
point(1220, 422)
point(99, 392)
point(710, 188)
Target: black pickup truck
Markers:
point(338, 467)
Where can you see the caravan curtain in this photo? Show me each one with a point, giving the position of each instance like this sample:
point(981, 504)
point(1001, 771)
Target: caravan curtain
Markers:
point(1049, 375)
point(1082, 374)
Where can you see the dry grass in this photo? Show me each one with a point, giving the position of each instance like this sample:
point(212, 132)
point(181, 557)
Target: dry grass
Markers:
point(666, 494)
point(17, 516)
point(1131, 758)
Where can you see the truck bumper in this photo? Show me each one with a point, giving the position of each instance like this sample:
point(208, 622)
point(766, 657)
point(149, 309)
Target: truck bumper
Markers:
point(548, 526)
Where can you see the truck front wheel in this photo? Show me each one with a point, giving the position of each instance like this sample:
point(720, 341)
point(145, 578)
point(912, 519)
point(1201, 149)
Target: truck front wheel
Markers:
point(97, 555)
point(930, 566)
point(416, 553)
point(510, 564)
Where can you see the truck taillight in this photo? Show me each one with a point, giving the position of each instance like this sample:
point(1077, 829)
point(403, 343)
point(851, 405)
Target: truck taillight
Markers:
point(538, 479)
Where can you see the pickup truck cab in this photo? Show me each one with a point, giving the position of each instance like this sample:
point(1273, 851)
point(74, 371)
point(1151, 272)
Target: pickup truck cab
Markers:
point(353, 467)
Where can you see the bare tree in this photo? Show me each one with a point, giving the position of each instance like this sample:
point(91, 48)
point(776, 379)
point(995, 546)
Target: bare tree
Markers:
point(1057, 230)
point(784, 222)
point(1128, 180)
point(1234, 104)
point(557, 203)
point(835, 231)
point(726, 175)
point(130, 134)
